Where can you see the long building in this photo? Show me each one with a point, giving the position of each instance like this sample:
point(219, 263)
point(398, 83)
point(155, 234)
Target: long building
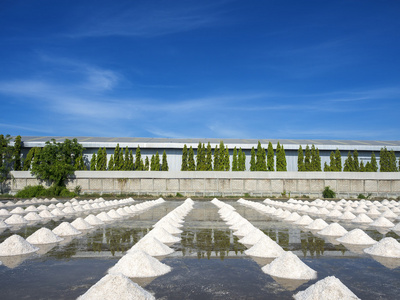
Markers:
point(173, 147)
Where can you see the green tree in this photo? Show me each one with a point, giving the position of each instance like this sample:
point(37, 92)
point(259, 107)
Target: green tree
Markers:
point(191, 164)
point(138, 160)
point(99, 162)
point(261, 163)
point(338, 159)
point(6, 158)
point(17, 153)
point(56, 161)
point(387, 161)
point(270, 158)
point(184, 166)
point(200, 158)
point(327, 167)
point(242, 160)
point(164, 164)
point(315, 159)
point(126, 159)
point(362, 167)
point(300, 160)
point(208, 165)
point(332, 163)
point(281, 164)
point(93, 162)
point(131, 162)
point(227, 162)
point(253, 166)
point(80, 164)
point(111, 163)
point(152, 163)
point(146, 164)
point(235, 160)
point(307, 160)
point(157, 162)
point(116, 158)
point(348, 164)
point(216, 158)
point(374, 164)
point(121, 160)
point(29, 158)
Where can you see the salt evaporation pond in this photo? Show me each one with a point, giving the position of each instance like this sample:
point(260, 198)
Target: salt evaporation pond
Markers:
point(208, 261)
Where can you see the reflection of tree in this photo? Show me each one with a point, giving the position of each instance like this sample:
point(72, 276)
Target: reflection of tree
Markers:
point(312, 244)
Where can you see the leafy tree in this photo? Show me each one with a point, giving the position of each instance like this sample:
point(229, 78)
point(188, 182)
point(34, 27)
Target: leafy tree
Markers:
point(116, 158)
point(362, 167)
point(184, 166)
point(235, 160)
point(327, 167)
point(17, 153)
point(348, 164)
point(208, 164)
point(216, 158)
point(131, 163)
point(387, 161)
point(242, 160)
point(261, 163)
point(338, 159)
point(307, 160)
point(111, 163)
point(126, 159)
point(253, 166)
point(80, 164)
point(227, 162)
point(374, 164)
point(100, 160)
point(152, 163)
point(93, 162)
point(315, 159)
point(201, 158)
point(56, 161)
point(121, 160)
point(146, 164)
point(6, 158)
point(332, 163)
point(356, 162)
point(164, 165)
point(138, 160)
point(191, 165)
point(281, 164)
point(270, 158)
point(29, 158)
point(300, 160)
point(157, 162)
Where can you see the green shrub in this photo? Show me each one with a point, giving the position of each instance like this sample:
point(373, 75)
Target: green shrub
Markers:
point(31, 191)
point(41, 191)
point(328, 193)
point(361, 196)
point(179, 195)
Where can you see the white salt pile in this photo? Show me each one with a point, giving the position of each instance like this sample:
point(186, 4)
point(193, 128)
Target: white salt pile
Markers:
point(81, 224)
point(18, 210)
point(356, 237)
point(32, 216)
point(346, 216)
point(381, 222)
point(116, 287)
point(252, 238)
point(395, 228)
point(265, 247)
point(288, 265)
point(43, 236)
point(122, 212)
point(317, 224)
point(387, 247)
point(113, 214)
point(16, 245)
point(293, 217)
point(334, 214)
point(362, 219)
point(170, 228)
point(4, 213)
point(163, 236)
point(57, 212)
point(329, 288)
point(45, 214)
point(152, 246)
point(3, 225)
point(66, 229)
point(93, 220)
point(138, 264)
point(104, 217)
point(333, 229)
point(16, 220)
point(304, 221)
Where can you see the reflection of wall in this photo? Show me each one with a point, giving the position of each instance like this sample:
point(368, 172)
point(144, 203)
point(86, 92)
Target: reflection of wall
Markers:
point(226, 183)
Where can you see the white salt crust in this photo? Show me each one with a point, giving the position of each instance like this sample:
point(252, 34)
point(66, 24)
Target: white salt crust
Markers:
point(32, 216)
point(317, 224)
point(3, 225)
point(116, 287)
point(104, 217)
point(152, 246)
point(382, 222)
point(356, 237)
point(16, 220)
point(387, 247)
point(81, 224)
point(45, 214)
point(163, 236)
point(329, 288)
point(289, 266)
point(169, 228)
point(252, 237)
point(333, 229)
point(66, 229)
point(16, 245)
point(43, 236)
point(265, 247)
point(362, 219)
point(304, 220)
point(138, 264)
point(93, 220)
point(113, 214)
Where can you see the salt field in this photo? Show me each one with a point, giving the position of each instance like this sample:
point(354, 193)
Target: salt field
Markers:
point(208, 249)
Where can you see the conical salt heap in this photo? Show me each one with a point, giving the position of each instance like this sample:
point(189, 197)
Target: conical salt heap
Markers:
point(362, 219)
point(333, 229)
point(43, 236)
point(244, 230)
point(16, 245)
point(122, 212)
point(66, 229)
point(81, 224)
point(334, 214)
point(93, 220)
point(17, 210)
point(3, 225)
point(347, 216)
point(32, 216)
point(113, 214)
point(304, 221)
point(265, 247)
point(252, 237)
point(16, 220)
point(152, 246)
point(116, 287)
point(387, 247)
point(317, 224)
point(293, 217)
point(45, 214)
point(289, 266)
point(169, 228)
point(163, 236)
point(381, 222)
point(329, 288)
point(138, 264)
point(103, 216)
point(356, 237)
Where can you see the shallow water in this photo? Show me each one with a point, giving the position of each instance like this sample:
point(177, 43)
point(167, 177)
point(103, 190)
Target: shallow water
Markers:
point(208, 263)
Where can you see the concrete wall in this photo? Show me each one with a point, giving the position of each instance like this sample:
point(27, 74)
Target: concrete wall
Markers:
point(264, 184)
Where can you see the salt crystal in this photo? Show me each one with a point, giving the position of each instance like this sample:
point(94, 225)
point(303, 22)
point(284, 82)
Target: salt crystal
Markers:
point(16, 245)
point(362, 218)
point(381, 222)
point(333, 229)
point(265, 247)
point(137, 264)
point(116, 287)
point(32, 216)
point(163, 236)
point(168, 227)
point(317, 224)
point(4, 213)
point(304, 220)
point(387, 247)
point(3, 225)
point(104, 217)
point(45, 214)
point(16, 220)
point(66, 229)
point(329, 288)
point(18, 210)
point(347, 216)
point(113, 214)
point(81, 224)
point(93, 220)
point(152, 246)
point(43, 236)
point(288, 265)
point(356, 237)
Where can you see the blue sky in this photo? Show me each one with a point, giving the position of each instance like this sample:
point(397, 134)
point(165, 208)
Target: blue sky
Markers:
point(201, 69)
